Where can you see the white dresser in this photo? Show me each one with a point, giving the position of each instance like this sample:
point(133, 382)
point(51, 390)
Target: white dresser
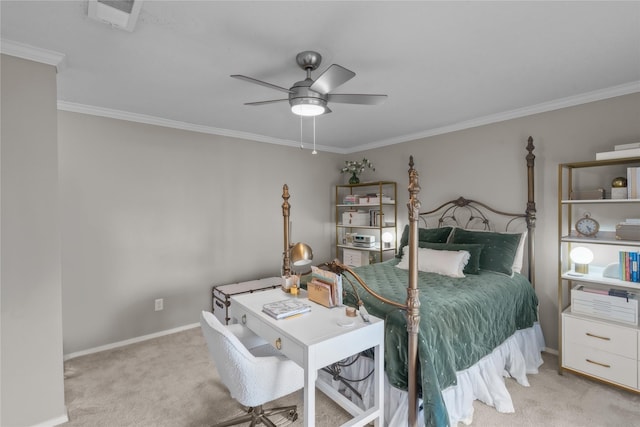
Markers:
point(606, 350)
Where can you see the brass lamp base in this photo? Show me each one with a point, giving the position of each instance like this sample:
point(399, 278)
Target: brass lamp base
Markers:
point(581, 268)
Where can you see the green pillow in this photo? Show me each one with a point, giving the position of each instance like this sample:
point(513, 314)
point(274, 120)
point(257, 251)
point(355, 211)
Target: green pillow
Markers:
point(499, 249)
point(473, 265)
point(431, 235)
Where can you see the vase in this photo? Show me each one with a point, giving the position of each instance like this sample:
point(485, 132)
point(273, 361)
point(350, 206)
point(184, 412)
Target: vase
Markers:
point(354, 179)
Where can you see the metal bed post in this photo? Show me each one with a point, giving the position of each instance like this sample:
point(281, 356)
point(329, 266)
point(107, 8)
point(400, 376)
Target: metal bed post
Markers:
point(531, 212)
point(413, 302)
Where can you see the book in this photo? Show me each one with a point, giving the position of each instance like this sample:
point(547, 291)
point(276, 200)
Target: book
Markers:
point(633, 175)
point(595, 291)
point(285, 308)
point(618, 154)
point(627, 146)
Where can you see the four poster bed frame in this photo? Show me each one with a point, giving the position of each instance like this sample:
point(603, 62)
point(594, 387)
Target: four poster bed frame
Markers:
point(475, 213)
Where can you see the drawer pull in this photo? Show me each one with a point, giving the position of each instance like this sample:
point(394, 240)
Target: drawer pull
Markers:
point(244, 319)
point(598, 363)
point(597, 336)
point(279, 344)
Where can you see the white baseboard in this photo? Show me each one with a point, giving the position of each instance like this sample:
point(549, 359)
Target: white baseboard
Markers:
point(54, 421)
point(551, 351)
point(130, 341)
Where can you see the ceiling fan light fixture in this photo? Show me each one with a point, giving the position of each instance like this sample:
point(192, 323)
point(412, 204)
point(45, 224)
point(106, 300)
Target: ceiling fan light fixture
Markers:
point(307, 107)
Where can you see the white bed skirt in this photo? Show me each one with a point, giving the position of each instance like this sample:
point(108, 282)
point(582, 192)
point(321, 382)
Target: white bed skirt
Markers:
point(518, 356)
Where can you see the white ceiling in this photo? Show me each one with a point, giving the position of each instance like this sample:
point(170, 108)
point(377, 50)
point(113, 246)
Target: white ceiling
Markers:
point(444, 65)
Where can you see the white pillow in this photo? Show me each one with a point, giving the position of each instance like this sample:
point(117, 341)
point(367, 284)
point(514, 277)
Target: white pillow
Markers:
point(447, 263)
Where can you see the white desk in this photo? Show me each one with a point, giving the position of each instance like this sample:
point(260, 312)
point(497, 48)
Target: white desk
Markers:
point(315, 340)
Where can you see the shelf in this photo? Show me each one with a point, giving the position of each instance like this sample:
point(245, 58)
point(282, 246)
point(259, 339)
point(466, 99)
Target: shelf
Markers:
point(594, 333)
point(384, 220)
point(598, 201)
point(371, 227)
point(372, 248)
point(603, 238)
point(595, 277)
point(608, 162)
point(364, 205)
point(367, 184)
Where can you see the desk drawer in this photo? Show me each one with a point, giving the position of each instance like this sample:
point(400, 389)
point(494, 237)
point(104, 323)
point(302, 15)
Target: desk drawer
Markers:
point(288, 347)
point(608, 366)
point(259, 326)
point(614, 339)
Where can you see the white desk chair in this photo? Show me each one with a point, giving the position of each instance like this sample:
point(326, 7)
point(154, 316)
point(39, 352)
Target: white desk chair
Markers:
point(253, 371)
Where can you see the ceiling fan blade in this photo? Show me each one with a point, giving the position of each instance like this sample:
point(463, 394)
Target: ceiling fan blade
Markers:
point(260, 82)
point(265, 102)
point(346, 98)
point(332, 77)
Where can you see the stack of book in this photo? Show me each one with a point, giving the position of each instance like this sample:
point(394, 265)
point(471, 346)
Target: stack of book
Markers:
point(633, 181)
point(629, 266)
point(351, 199)
point(285, 308)
point(375, 199)
point(621, 151)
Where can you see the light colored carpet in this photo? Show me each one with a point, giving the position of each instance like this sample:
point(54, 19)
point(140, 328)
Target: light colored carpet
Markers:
point(169, 381)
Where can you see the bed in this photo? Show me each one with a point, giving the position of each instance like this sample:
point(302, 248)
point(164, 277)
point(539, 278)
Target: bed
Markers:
point(470, 316)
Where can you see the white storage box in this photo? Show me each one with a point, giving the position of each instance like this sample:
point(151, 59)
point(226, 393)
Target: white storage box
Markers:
point(355, 218)
point(607, 307)
point(355, 258)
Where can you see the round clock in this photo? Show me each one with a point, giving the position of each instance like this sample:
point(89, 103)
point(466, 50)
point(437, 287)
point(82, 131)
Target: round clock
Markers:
point(587, 226)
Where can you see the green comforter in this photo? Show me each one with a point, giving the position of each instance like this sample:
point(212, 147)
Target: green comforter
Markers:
point(461, 321)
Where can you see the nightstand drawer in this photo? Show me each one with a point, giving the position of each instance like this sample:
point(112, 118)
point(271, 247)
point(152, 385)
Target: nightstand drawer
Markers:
point(598, 335)
point(608, 366)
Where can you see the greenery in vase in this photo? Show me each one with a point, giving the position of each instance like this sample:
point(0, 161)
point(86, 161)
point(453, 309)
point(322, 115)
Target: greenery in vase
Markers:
point(355, 167)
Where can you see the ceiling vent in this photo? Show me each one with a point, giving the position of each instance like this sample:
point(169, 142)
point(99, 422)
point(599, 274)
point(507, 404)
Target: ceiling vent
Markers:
point(121, 14)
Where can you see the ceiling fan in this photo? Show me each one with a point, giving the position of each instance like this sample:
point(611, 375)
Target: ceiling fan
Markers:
point(310, 97)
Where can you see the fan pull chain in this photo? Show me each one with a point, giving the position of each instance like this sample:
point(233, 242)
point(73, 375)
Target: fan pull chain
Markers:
point(301, 147)
point(314, 136)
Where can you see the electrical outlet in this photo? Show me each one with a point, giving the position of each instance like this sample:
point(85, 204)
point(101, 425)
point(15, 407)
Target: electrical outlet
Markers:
point(159, 304)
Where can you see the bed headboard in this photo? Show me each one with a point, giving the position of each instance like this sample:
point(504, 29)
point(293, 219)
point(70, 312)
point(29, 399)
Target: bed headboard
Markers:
point(471, 214)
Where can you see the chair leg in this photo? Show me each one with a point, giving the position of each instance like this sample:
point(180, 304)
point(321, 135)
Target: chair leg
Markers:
point(250, 416)
point(258, 415)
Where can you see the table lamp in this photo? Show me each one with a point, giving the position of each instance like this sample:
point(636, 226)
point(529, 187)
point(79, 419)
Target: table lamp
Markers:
point(299, 255)
point(386, 239)
point(581, 258)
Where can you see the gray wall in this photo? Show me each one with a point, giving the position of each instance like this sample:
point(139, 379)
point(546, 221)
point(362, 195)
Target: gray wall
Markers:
point(151, 212)
point(31, 350)
point(487, 163)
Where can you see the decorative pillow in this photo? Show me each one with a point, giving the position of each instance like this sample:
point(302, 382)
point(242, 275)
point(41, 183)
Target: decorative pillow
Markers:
point(447, 263)
point(473, 266)
point(499, 251)
point(430, 235)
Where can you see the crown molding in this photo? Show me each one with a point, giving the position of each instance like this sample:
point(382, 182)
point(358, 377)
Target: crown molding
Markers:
point(158, 121)
point(571, 101)
point(32, 53)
